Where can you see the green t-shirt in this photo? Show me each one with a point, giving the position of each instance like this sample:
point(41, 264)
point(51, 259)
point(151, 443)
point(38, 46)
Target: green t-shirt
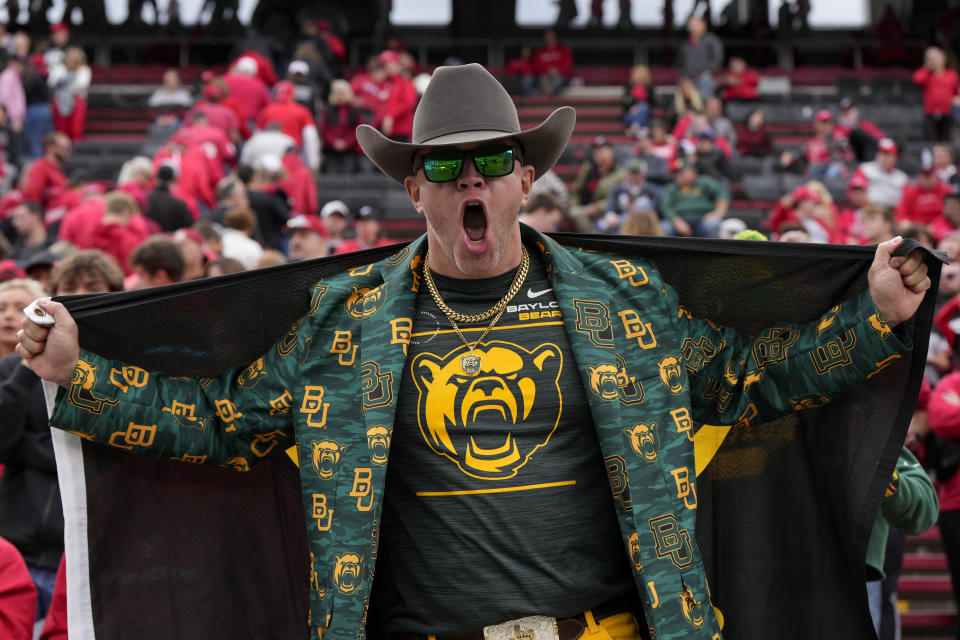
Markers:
point(497, 502)
point(693, 202)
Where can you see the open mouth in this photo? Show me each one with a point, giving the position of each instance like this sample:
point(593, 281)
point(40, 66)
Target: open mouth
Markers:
point(475, 221)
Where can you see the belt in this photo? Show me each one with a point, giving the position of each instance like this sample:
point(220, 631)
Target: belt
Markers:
point(567, 628)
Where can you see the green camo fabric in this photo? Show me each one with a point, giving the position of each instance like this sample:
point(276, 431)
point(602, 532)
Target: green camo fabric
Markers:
point(328, 387)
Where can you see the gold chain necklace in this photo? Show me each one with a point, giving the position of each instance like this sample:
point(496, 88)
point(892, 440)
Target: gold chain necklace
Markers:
point(471, 363)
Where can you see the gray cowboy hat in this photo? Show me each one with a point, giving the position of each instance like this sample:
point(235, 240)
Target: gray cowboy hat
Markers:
point(465, 104)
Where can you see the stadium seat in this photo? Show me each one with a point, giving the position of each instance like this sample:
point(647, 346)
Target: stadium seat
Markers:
point(763, 187)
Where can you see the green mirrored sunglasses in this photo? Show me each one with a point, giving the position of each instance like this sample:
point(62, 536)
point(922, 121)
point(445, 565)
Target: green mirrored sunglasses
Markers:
point(446, 164)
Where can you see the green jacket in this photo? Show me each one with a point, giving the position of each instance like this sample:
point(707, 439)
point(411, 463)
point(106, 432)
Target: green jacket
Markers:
point(694, 202)
point(329, 387)
point(911, 508)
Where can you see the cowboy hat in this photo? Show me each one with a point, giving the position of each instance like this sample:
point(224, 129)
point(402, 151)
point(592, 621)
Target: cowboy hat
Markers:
point(463, 105)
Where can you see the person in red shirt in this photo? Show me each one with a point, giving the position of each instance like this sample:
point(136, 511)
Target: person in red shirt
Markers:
point(18, 595)
point(45, 179)
point(553, 63)
point(295, 120)
point(264, 67)
point(298, 183)
point(739, 82)
point(367, 227)
point(370, 88)
point(200, 132)
point(828, 151)
point(249, 90)
point(922, 201)
point(401, 102)
point(218, 114)
point(114, 234)
point(940, 87)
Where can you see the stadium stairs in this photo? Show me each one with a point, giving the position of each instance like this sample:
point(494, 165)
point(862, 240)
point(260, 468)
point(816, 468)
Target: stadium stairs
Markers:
point(927, 610)
point(118, 120)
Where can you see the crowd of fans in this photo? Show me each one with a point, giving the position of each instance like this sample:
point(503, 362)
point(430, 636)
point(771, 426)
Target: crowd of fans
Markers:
point(230, 185)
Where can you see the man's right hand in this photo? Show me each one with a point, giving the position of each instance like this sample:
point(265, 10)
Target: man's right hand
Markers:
point(51, 352)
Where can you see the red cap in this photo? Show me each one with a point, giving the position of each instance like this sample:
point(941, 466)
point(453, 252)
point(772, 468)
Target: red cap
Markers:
point(322, 24)
point(310, 223)
point(284, 91)
point(803, 192)
point(887, 145)
point(858, 181)
point(213, 91)
point(10, 271)
point(824, 115)
point(39, 63)
point(389, 56)
point(59, 26)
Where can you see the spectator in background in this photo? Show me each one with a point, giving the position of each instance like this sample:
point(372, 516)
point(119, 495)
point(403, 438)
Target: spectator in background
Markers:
point(113, 234)
point(878, 224)
point(38, 121)
point(370, 88)
point(172, 96)
point(543, 212)
point(520, 73)
point(710, 160)
point(862, 135)
point(191, 243)
point(693, 205)
point(754, 139)
point(18, 595)
point(216, 112)
point(12, 95)
point(249, 90)
point(850, 219)
point(298, 182)
point(260, 193)
point(59, 39)
point(70, 82)
point(658, 173)
point(943, 162)
point(739, 83)
point(885, 182)
point(296, 121)
point(306, 93)
point(168, 211)
point(632, 194)
point(45, 179)
point(713, 110)
point(940, 87)
point(237, 237)
point(268, 141)
point(701, 56)
point(922, 201)
point(553, 64)
point(27, 220)
point(637, 99)
point(15, 295)
point(593, 184)
point(641, 223)
point(368, 228)
point(335, 216)
point(827, 152)
point(307, 238)
point(156, 262)
point(948, 224)
point(401, 100)
point(338, 129)
point(223, 266)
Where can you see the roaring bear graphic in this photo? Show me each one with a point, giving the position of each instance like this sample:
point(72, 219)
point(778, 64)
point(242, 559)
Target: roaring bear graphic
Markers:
point(671, 374)
point(603, 381)
point(365, 301)
point(634, 543)
point(471, 419)
point(378, 441)
point(692, 609)
point(348, 572)
point(326, 458)
point(252, 374)
point(645, 440)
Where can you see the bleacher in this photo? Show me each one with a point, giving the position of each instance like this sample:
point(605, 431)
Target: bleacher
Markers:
point(927, 610)
point(117, 122)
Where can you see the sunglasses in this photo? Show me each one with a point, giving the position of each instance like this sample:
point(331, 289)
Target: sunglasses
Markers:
point(447, 164)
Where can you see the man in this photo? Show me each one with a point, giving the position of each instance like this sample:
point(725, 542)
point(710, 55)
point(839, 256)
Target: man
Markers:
point(922, 201)
point(401, 99)
point(156, 262)
point(335, 215)
point(164, 208)
point(543, 212)
point(308, 238)
point(32, 237)
point(367, 227)
point(633, 194)
point(693, 205)
point(701, 56)
point(295, 120)
point(478, 530)
point(885, 182)
point(940, 86)
point(593, 184)
point(45, 179)
point(249, 90)
point(862, 134)
point(827, 152)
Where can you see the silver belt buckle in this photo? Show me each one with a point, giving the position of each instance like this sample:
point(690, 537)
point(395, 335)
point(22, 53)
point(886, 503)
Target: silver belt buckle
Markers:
point(529, 628)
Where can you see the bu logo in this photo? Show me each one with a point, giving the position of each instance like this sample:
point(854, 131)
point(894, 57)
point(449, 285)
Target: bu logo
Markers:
point(321, 513)
point(633, 274)
point(362, 488)
point(136, 435)
point(671, 541)
point(127, 377)
point(81, 393)
point(377, 387)
point(637, 328)
point(593, 319)
point(344, 348)
point(313, 405)
point(834, 353)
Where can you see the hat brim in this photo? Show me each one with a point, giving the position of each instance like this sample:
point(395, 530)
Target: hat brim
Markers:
point(542, 145)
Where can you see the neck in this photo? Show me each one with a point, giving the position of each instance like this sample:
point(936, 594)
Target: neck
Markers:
point(465, 266)
point(37, 235)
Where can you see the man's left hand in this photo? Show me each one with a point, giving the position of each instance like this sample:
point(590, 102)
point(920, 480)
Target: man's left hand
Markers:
point(897, 284)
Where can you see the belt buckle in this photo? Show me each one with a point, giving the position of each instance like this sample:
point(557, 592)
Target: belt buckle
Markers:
point(529, 628)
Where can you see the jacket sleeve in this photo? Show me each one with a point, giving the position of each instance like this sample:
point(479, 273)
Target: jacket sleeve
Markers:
point(921, 76)
point(736, 378)
point(16, 395)
point(239, 416)
point(913, 507)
